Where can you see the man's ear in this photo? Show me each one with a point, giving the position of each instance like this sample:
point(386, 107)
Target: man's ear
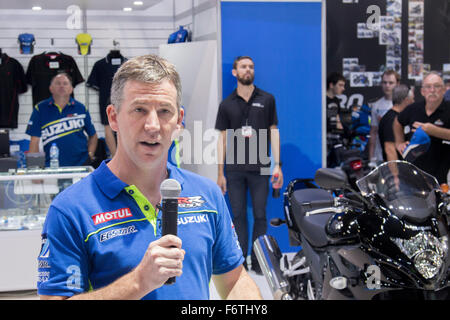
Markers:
point(111, 112)
point(234, 72)
point(180, 118)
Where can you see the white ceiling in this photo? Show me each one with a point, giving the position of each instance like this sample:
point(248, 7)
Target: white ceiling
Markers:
point(83, 4)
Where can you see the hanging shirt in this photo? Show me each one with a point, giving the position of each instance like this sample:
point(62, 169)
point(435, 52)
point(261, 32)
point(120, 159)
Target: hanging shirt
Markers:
point(12, 83)
point(101, 78)
point(43, 67)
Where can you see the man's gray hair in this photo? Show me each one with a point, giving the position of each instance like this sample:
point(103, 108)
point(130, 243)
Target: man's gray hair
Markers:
point(149, 69)
point(432, 72)
point(399, 93)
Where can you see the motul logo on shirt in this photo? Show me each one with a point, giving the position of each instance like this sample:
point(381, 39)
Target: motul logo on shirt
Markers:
point(113, 215)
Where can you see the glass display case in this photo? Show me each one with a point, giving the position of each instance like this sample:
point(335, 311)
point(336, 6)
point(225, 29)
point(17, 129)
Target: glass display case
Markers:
point(25, 196)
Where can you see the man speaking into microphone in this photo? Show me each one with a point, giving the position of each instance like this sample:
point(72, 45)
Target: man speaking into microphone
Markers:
point(103, 236)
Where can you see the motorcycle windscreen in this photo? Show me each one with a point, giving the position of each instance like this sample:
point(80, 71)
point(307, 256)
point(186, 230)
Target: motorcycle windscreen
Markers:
point(405, 189)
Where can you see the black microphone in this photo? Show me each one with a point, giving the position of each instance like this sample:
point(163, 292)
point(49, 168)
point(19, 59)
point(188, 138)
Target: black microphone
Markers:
point(170, 190)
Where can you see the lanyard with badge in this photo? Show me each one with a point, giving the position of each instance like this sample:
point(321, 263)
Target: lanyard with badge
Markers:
point(246, 129)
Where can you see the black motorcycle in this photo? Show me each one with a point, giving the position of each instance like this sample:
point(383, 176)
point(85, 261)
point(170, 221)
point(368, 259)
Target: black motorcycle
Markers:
point(388, 241)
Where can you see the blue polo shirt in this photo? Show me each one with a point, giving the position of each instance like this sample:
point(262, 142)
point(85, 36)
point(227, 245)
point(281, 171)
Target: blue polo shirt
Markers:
point(99, 229)
point(65, 127)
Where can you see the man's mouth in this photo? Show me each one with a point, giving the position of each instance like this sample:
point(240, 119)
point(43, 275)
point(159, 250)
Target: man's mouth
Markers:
point(150, 144)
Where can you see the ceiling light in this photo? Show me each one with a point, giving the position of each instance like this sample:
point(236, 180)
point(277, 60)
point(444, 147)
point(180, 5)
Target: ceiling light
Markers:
point(36, 8)
point(127, 9)
point(138, 3)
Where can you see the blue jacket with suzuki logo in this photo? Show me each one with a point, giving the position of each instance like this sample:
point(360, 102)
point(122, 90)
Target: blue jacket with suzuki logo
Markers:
point(99, 229)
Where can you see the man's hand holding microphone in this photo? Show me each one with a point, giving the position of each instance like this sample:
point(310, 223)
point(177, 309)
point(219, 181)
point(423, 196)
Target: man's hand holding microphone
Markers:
point(163, 260)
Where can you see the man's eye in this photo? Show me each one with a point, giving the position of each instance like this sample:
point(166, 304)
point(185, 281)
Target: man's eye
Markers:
point(165, 111)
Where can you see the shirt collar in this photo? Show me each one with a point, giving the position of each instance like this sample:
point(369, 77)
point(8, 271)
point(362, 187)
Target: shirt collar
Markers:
point(71, 101)
point(111, 185)
point(108, 58)
point(254, 93)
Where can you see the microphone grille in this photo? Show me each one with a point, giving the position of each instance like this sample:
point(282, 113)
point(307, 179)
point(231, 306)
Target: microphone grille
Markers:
point(170, 188)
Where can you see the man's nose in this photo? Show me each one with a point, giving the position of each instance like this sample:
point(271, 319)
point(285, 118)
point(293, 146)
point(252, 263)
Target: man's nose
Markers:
point(152, 121)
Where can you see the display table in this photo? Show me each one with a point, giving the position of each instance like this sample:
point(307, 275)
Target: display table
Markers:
point(25, 196)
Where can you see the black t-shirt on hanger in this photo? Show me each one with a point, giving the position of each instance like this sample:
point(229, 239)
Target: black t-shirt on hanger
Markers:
point(101, 79)
point(43, 67)
point(12, 83)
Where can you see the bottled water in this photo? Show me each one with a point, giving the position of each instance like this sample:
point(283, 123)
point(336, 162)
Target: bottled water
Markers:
point(54, 156)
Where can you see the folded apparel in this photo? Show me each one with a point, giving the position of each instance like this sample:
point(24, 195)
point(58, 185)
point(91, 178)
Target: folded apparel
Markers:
point(419, 144)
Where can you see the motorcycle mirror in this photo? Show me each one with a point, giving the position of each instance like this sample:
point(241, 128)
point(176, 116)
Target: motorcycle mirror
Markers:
point(336, 178)
point(331, 178)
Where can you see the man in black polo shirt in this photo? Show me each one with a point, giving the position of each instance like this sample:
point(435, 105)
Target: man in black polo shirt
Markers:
point(402, 96)
point(433, 115)
point(248, 122)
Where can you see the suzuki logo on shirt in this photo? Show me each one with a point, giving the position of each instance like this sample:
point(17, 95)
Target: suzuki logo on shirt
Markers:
point(193, 219)
point(112, 215)
point(61, 127)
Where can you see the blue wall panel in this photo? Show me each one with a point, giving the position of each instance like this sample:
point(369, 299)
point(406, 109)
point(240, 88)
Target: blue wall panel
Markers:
point(284, 39)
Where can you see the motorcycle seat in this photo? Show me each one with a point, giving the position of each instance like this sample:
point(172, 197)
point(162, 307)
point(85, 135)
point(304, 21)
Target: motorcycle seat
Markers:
point(312, 227)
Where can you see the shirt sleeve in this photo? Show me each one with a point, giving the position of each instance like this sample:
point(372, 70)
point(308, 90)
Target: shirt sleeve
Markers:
point(388, 131)
point(222, 121)
point(373, 115)
point(273, 112)
point(62, 261)
point(227, 253)
point(21, 79)
point(76, 74)
point(93, 79)
point(34, 124)
point(403, 117)
point(88, 126)
point(30, 70)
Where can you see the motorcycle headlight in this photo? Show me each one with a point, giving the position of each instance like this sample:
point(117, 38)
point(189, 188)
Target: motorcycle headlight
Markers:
point(427, 251)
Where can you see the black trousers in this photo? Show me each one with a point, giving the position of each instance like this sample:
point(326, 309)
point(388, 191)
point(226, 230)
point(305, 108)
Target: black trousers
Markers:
point(238, 182)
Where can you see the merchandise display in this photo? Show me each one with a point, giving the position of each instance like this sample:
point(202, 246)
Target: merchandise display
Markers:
point(84, 42)
point(25, 199)
point(181, 35)
point(26, 42)
point(43, 67)
point(12, 83)
point(25, 196)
